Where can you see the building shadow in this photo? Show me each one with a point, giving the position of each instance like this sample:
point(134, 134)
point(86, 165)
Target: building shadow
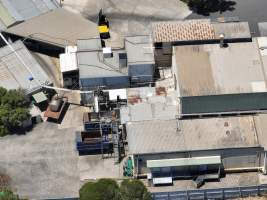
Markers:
point(206, 7)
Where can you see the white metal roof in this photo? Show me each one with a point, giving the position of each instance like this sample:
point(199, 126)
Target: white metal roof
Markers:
point(122, 93)
point(178, 162)
point(68, 60)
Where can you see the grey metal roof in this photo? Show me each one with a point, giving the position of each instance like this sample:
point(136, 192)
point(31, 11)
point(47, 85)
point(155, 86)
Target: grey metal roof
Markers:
point(139, 50)
point(58, 27)
point(210, 70)
point(92, 64)
point(92, 44)
point(149, 106)
point(22, 10)
point(263, 28)
point(159, 136)
point(14, 75)
point(224, 103)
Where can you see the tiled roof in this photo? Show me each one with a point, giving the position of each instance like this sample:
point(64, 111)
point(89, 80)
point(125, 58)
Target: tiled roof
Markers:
point(183, 31)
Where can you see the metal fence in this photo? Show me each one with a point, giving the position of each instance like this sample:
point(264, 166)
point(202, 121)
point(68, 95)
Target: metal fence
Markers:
point(221, 193)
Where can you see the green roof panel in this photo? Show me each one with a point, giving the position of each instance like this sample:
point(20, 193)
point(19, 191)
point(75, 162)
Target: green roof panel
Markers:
point(179, 162)
point(224, 103)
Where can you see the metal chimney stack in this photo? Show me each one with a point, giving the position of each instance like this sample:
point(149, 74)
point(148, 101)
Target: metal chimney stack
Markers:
point(222, 37)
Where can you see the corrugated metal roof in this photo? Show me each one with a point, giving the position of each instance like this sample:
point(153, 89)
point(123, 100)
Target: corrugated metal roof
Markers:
point(159, 136)
point(263, 28)
point(26, 9)
point(92, 44)
point(179, 162)
point(5, 17)
point(12, 11)
point(52, 28)
point(139, 50)
point(92, 64)
point(207, 69)
point(14, 75)
point(224, 103)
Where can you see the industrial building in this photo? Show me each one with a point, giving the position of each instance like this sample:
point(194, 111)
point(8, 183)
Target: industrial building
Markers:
point(115, 68)
point(211, 147)
point(13, 75)
point(99, 66)
point(168, 138)
point(225, 84)
point(165, 148)
point(189, 32)
point(14, 12)
point(50, 34)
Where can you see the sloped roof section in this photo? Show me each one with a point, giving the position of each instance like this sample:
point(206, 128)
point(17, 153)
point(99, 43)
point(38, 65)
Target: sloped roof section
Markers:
point(13, 75)
point(13, 11)
point(5, 18)
point(52, 28)
point(183, 31)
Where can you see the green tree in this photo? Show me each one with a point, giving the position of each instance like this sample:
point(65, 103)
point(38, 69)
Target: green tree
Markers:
point(8, 195)
point(104, 189)
point(132, 189)
point(13, 110)
point(205, 7)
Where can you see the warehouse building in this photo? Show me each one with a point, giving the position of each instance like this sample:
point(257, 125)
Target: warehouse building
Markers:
point(51, 32)
point(191, 32)
point(13, 11)
point(226, 80)
point(166, 150)
point(13, 75)
point(99, 66)
point(102, 66)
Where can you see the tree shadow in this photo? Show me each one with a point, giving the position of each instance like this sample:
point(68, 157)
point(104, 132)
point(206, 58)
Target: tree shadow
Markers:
point(205, 7)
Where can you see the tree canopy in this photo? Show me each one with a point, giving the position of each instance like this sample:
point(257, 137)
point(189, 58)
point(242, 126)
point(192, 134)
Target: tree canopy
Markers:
point(8, 195)
point(13, 110)
point(205, 7)
point(104, 189)
point(132, 189)
point(108, 189)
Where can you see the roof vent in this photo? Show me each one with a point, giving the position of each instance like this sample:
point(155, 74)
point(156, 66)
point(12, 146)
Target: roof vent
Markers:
point(107, 52)
point(222, 40)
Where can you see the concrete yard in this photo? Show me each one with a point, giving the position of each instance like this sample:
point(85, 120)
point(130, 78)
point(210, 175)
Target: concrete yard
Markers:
point(230, 180)
point(130, 17)
point(94, 167)
point(42, 163)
